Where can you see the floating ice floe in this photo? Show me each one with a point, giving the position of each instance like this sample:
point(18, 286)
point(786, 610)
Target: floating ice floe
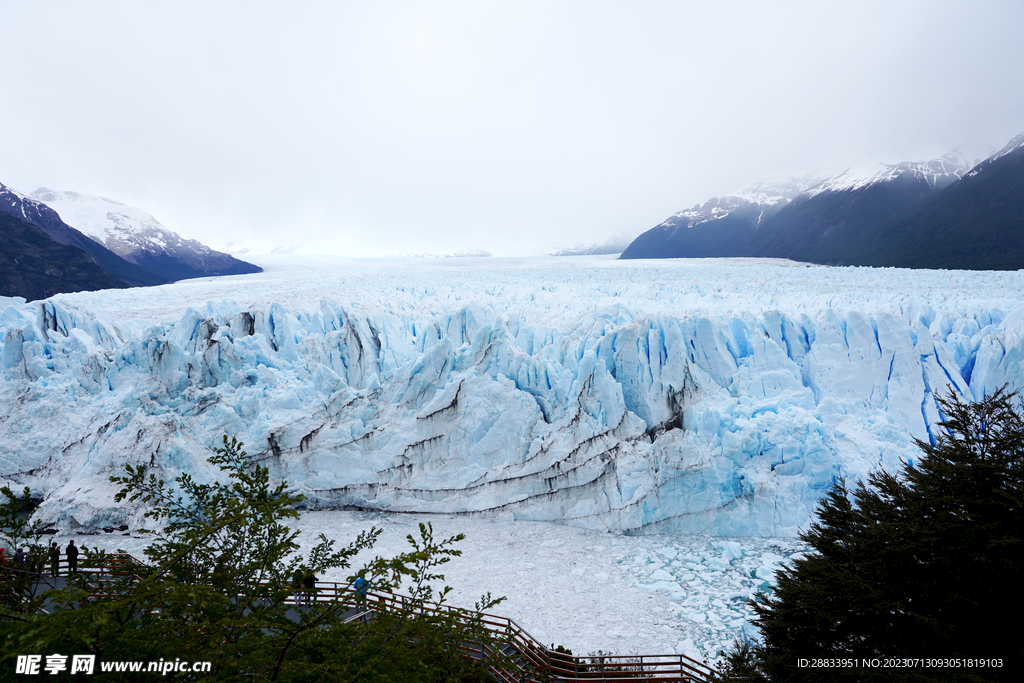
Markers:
point(583, 589)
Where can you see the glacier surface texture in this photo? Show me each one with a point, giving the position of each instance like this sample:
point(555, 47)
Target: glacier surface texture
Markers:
point(718, 396)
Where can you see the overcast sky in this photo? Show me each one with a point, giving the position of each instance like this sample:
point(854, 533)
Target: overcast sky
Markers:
point(379, 127)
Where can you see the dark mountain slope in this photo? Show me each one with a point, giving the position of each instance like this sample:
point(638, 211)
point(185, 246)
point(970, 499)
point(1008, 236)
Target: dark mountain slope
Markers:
point(934, 214)
point(827, 227)
point(713, 238)
point(33, 265)
point(47, 220)
point(716, 227)
point(182, 266)
point(139, 238)
point(975, 224)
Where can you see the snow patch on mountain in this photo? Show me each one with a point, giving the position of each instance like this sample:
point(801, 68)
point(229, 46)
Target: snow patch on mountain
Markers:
point(613, 245)
point(1014, 144)
point(769, 192)
point(16, 200)
point(123, 229)
point(938, 173)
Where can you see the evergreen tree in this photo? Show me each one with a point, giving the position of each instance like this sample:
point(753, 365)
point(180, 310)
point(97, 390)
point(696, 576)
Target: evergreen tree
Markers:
point(912, 566)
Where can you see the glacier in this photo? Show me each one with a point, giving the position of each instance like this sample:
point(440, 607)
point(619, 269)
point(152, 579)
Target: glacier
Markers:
point(697, 396)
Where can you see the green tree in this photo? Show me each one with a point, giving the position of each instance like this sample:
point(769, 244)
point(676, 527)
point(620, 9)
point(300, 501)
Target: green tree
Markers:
point(18, 530)
point(741, 663)
point(218, 584)
point(915, 565)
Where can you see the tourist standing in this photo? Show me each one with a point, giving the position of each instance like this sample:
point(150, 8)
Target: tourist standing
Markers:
point(72, 553)
point(310, 583)
point(297, 583)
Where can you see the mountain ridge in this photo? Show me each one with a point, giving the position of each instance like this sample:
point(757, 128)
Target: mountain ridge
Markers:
point(866, 217)
point(726, 220)
point(34, 265)
point(14, 203)
point(139, 238)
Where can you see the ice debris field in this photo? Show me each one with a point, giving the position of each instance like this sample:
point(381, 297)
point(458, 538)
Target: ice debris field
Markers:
point(582, 589)
point(695, 409)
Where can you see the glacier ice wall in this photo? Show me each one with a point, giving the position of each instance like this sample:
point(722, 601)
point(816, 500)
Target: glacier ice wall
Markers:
point(731, 422)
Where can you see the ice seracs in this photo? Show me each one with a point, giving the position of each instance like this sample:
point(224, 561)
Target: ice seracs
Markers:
point(719, 397)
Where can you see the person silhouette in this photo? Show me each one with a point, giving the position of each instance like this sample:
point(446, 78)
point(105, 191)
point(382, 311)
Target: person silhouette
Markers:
point(54, 559)
point(72, 553)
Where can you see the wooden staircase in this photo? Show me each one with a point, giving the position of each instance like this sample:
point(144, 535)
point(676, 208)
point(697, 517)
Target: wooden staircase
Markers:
point(532, 662)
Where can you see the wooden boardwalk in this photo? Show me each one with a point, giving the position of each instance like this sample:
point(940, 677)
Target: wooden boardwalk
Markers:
point(525, 659)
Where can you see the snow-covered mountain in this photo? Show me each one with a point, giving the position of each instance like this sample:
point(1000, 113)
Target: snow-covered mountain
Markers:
point(935, 174)
point(1014, 146)
point(724, 221)
point(845, 219)
point(613, 245)
point(937, 214)
point(827, 223)
point(768, 194)
point(24, 207)
point(138, 237)
point(689, 396)
point(977, 222)
point(52, 256)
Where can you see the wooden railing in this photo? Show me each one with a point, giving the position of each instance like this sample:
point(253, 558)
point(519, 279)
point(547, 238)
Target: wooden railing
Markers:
point(527, 654)
point(117, 563)
point(525, 660)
